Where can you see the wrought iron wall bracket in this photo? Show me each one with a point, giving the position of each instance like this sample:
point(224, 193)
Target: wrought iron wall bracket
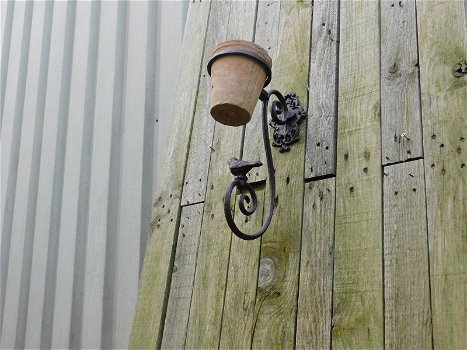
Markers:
point(286, 114)
point(286, 122)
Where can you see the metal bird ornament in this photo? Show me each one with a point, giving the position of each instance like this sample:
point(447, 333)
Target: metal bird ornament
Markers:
point(240, 168)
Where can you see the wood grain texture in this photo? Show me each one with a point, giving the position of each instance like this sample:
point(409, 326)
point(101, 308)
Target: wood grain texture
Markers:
point(406, 269)
point(357, 296)
point(204, 324)
point(442, 44)
point(276, 300)
point(240, 296)
point(266, 36)
point(199, 156)
point(148, 322)
point(316, 266)
point(400, 94)
point(322, 111)
point(183, 274)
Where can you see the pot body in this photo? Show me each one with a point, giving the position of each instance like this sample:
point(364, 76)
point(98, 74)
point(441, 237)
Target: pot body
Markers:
point(237, 80)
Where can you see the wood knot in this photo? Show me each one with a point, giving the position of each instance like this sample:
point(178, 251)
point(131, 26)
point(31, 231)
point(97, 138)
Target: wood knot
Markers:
point(460, 69)
point(267, 272)
point(394, 68)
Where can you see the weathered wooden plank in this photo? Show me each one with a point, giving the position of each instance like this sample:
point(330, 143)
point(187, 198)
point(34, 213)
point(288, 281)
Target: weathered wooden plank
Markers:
point(406, 275)
point(183, 275)
point(266, 35)
point(442, 44)
point(401, 127)
point(276, 300)
point(357, 295)
point(16, 283)
point(72, 177)
point(148, 322)
point(316, 267)
point(322, 112)
point(194, 187)
point(204, 326)
point(151, 126)
point(240, 296)
point(51, 178)
point(86, 324)
point(171, 17)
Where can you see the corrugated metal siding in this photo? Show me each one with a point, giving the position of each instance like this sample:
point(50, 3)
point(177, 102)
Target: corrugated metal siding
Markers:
point(85, 90)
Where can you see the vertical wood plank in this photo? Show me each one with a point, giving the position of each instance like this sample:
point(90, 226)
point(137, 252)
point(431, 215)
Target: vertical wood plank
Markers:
point(148, 322)
point(88, 312)
point(238, 319)
point(70, 216)
point(406, 275)
point(357, 295)
point(183, 274)
point(276, 300)
point(401, 127)
point(51, 176)
point(322, 111)
point(213, 256)
point(12, 116)
point(130, 211)
point(171, 17)
point(442, 44)
point(198, 163)
point(12, 330)
point(151, 128)
point(316, 266)
point(266, 36)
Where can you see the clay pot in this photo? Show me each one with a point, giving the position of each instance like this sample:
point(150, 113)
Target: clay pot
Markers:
point(239, 70)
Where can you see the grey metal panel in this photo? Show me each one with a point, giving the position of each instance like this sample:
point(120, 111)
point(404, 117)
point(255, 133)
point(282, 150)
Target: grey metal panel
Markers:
point(76, 171)
point(7, 22)
point(51, 173)
point(85, 92)
point(131, 186)
point(11, 130)
point(108, 84)
point(17, 222)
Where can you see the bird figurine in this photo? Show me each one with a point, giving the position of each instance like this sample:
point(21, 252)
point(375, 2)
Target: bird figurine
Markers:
point(240, 168)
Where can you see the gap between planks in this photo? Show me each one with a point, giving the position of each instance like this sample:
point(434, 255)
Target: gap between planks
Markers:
point(190, 204)
point(318, 178)
point(402, 161)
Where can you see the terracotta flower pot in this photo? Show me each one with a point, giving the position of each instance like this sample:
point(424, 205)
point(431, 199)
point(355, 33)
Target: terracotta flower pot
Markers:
point(239, 70)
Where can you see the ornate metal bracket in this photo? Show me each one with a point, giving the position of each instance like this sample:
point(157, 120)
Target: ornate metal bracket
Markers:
point(286, 122)
point(286, 113)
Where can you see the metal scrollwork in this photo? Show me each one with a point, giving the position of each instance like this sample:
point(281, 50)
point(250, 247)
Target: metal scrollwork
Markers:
point(286, 113)
point(286, 122)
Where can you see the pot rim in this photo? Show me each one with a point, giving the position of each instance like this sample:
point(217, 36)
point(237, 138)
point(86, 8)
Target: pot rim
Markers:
point(246, 53)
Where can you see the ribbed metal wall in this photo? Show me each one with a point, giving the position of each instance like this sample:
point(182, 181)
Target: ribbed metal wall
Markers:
point(85, 95)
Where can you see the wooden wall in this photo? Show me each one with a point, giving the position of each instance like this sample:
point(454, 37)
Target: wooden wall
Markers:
point(367, 247)
point(84, 91)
